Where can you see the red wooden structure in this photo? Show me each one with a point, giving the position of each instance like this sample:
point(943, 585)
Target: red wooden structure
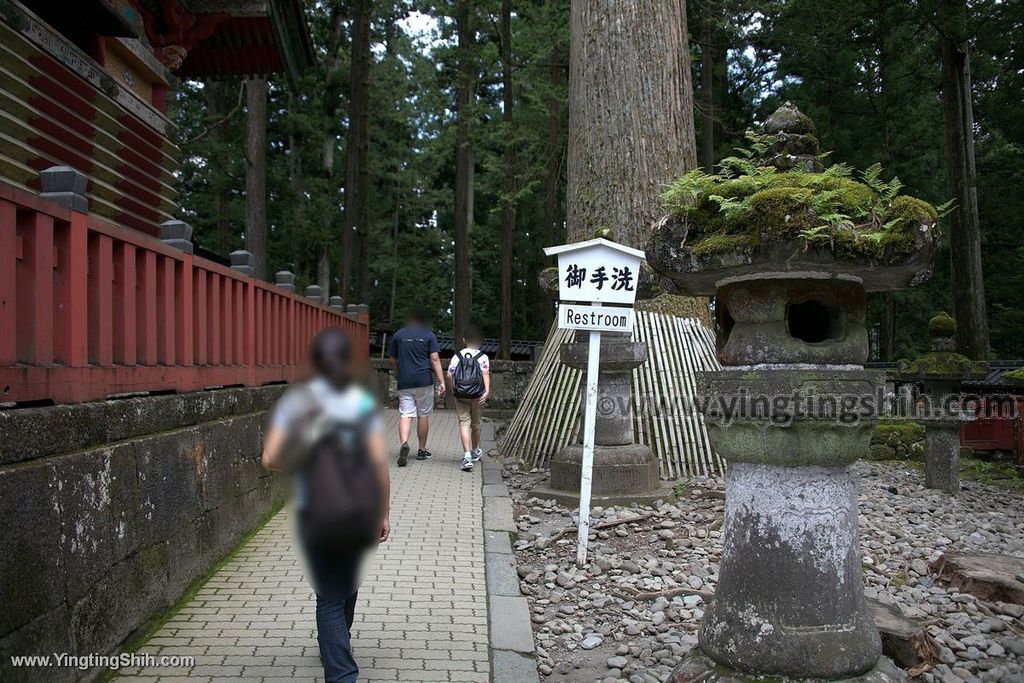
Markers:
point(997, 431)
point(90, 309)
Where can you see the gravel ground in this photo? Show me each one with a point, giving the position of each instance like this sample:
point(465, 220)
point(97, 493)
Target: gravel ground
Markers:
point(595, 624)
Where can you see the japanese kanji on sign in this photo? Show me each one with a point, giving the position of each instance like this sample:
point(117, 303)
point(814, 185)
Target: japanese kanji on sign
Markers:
point(597, 272)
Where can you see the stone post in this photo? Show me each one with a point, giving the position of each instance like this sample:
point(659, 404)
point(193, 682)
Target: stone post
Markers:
point(285, 280)
point(314, 292)
point(941, 373)
point(243, 261)
point(624, 472)
point(337, 302)
point(790, 308)
point(177, 234)
point(65, 186)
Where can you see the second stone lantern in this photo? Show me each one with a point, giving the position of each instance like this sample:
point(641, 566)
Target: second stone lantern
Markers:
point(789, 251)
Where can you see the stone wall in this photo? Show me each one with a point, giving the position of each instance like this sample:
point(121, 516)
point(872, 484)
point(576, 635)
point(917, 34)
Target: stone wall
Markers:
point(508, 384)
point(111, 509)
point(897, 440)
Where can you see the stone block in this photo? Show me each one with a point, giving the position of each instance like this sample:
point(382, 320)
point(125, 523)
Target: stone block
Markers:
point(510, 624)
point(285, 280)
point(513, 667)
point(502, 577)
point(177, 234)
point(31, 573)
point(243, 261)
point(498, 514)
point(170, 469)
point(497, 542)
point(45, 635)
point(313, 292)
point(495, 491)
point(337, 302)
point(129, 595)
point(66, 186)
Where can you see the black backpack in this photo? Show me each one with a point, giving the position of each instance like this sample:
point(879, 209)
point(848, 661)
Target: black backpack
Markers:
point(468, 378)
point(344, 499)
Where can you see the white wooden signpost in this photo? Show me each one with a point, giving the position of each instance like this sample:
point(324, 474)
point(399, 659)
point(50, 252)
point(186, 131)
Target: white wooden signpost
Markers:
point(594, 272)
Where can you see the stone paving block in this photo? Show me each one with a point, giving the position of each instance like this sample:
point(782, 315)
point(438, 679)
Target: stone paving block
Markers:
point(502, 578)
point(498, 514)
point(510, 624)
point(497, 542)
point(496, 490)
point(512, 667)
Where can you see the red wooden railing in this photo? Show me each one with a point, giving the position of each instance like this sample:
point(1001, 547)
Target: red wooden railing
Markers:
point(89, 309)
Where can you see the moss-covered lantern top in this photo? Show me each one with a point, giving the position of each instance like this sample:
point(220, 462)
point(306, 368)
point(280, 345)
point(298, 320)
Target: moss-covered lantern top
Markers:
point(774, 208)
point(942, 361)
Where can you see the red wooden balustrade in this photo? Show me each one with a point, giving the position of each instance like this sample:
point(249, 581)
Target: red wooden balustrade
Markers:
point(89, 309)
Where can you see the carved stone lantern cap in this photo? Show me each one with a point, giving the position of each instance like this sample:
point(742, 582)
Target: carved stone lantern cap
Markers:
point(942, 363)
point(773, 209)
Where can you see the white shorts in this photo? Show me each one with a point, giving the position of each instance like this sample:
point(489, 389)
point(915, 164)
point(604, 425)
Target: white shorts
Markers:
point(416, 402)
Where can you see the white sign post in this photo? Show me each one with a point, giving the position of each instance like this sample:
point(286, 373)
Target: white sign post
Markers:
point(597, 272)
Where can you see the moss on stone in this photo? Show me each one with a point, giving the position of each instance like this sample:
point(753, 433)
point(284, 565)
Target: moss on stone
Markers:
point(939, 363)
point(717, 244)
point(942, 325)
point(857, 221)
point(1016, 375)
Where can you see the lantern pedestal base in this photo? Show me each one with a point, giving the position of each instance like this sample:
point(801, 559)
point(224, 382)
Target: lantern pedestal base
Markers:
point(699, 667)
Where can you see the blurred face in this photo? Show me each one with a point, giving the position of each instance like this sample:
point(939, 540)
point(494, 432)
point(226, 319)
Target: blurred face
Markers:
point(332, 360)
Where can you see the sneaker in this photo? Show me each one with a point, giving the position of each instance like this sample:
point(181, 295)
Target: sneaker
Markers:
point(467, 464)
point(424, 455)
point(477, 453)
point(403, 455)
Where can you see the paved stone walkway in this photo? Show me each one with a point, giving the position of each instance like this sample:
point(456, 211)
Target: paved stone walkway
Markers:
point(422, 612)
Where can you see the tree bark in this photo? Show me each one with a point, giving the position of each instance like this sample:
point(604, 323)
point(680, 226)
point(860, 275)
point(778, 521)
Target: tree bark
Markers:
point(355, 222)
point(707, 89)
point(216, 109)
point(256, 173)
point(463, 297)
point(961, 185)
point(332, 88)
point(556, 157)
point(630, 114)
point(508, 184)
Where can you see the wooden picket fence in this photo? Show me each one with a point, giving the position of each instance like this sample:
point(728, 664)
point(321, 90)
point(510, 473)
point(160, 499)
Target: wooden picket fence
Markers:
point(664, 388)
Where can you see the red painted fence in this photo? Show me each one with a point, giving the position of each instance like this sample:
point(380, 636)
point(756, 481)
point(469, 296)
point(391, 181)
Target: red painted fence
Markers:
point(89, 309)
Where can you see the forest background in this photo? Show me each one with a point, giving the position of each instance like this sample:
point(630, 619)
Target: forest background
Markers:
point(423, 159)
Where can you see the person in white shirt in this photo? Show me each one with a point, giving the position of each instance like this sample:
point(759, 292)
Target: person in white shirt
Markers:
point(470, 378)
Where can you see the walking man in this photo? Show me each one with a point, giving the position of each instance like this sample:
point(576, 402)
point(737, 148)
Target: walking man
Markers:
point(414, 360)
point(470, 372)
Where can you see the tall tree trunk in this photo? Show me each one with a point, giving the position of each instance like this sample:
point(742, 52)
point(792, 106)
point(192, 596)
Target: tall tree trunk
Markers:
point(355, 222)
point(630, 113)
point(463, 298)
point(296, 178)
point(707, 88)
point(961, 185)
point(553, 171)
point(332, 87)
point(256, 173)
point(508, 183)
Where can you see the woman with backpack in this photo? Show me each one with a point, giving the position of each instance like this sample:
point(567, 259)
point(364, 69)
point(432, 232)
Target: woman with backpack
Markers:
point(470, 373)
point(329, 432)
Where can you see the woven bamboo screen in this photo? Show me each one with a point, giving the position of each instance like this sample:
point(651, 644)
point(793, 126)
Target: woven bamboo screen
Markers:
point(664, 417)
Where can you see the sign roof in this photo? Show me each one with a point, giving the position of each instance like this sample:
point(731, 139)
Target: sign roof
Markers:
point(599, 241)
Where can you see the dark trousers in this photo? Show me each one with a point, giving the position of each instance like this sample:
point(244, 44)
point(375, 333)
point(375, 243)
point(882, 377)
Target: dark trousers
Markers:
point(335, 577)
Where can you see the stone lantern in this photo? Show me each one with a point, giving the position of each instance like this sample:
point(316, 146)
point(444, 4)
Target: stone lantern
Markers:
point(941, 373)
point(790, 251)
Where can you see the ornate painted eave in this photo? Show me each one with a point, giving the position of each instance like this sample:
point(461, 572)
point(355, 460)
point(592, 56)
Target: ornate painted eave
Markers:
point(201, 38)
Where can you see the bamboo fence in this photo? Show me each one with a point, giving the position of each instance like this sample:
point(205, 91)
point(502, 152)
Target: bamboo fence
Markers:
point(664, 415)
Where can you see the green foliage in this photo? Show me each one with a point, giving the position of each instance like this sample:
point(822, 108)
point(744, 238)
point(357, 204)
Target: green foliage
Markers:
point(942, 325)
point(749, 201)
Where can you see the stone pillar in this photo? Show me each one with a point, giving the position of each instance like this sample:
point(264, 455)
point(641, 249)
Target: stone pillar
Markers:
point(177, 234)
point(314, 292)
point(790, 581)
point(65, 186)
point(285, 280)
point(243, 262)
point(337, 302)
point(624, 472)
point(942, 455)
